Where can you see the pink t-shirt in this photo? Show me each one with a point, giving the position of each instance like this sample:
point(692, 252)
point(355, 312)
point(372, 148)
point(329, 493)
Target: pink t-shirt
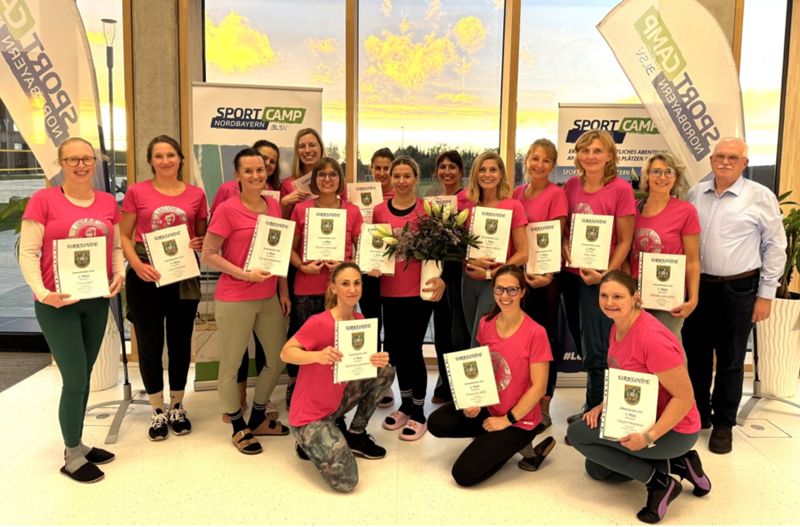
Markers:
point(315, 284)
point(62, 219)
point(236, 224)
point(155, 211)
point(225, 191)
point(388, 194)
point(663, 233)
point(649, 347)
point(614, 199)
point(551, 204)
point(287, 187)
point(462, 201)
point(405, 281)
point(518, 218)
point(315, 395)
point(511, 360)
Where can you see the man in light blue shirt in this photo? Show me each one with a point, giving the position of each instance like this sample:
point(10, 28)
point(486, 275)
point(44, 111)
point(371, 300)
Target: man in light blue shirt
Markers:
point(742, 254)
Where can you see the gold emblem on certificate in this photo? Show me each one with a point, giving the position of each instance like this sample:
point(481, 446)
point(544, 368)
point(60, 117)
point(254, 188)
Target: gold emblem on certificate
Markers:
point(357, 341)
point(325, 234)
point(170, 247)
point(590, 241)
point(662, 280)
point(365, 196)
point(630, 403)
point(82, 259)
point(271, 246)
point(79, 267)
point(542, 240)
point(169, 252)
point(472, 377)
point(326, 226)
point(274, 237)
point(544, 247)
point(371, 249)
point(493, 229)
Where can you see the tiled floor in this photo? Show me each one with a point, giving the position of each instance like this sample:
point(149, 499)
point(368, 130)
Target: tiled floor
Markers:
point(202, 479)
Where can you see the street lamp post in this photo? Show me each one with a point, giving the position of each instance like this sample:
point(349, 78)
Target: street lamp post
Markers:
point(109, 32)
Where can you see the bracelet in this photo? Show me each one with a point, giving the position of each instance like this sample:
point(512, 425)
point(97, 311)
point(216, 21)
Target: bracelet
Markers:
point(648, 439)
point(511, 418)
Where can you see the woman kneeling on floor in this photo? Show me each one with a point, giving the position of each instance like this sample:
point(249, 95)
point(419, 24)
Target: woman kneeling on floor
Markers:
point(520, 357)
point(640, 343)
point(316, 416)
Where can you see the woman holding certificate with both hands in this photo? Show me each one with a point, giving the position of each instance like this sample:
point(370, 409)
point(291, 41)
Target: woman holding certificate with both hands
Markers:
point(317, 412)
point(246, 301)
point(73, 328)
point(162, 202)
point(640, 343)
point(520, 355)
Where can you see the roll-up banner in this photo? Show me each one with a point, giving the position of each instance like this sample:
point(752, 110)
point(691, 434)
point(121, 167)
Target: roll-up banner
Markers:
point(226, 118)
point(48, 80)
point(680, 64)
point(635, 135)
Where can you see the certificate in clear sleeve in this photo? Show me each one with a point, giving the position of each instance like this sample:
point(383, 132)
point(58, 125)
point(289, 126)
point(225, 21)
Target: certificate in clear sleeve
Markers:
point(80, 267)
point(271, 246)
point(444, 199)
point(630, 403)
point(493, 228)
point(662, 280)
point(544, 247)
point(365, 196)
point(274, 194)
point(471, 376)
point(357, 341)
point(590, 241)
point(169, 252)
point(370, 251)
point(303, 183)
point(325, 233)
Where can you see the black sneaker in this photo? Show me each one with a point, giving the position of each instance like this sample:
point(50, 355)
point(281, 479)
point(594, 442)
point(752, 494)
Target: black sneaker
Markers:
point(98, 456)
point(87, 473)
point(159, 427)
point(721, 440)
point(300, 452)
point(178, 421)
point(364, 445)
point(658, 499)
point(689, 467)
point(289, 392)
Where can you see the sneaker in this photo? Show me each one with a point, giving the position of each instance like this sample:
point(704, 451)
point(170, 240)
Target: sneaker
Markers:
point(289, 392)
point(87, 473)
point(159, 427)
point(98, 456)
point(387, 400)
point(721, 441)
point(178, 421)
point(532, 462)
point(689, 467)
point(364, 445)
point(300, 452)
point(658, 499)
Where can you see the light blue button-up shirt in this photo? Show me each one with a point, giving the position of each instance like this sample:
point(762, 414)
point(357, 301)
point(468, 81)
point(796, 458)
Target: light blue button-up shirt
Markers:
point(742, 230)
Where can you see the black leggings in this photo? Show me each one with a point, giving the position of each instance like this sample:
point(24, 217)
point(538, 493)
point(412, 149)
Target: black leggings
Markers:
point(450, 331)
point(148, 307)
point(487, 453)
point(303, 308)
point(370, 302)
point(405, 321)
point(542, 305)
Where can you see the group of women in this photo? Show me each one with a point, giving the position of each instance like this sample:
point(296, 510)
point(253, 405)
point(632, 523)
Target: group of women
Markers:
point(482, 302)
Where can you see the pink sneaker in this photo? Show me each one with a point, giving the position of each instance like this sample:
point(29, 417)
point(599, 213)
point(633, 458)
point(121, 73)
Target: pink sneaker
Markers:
point(413, 430)
point(395, 420)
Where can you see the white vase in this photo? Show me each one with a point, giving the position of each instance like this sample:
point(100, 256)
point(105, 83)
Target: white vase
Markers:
point(779, 348)
point(430, 269)
point(106, 368)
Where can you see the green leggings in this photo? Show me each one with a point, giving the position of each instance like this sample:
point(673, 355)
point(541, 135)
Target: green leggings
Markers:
point(74, 334)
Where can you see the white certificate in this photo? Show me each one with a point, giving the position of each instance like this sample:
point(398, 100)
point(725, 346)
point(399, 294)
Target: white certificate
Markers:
point(79, 267)
point(471, 377)
point(630, 403)
point(271, 247)
point(357, 341)
point(590, 241)
point(325, 233)
point(493, 228)
point(544, 247)
point(371, 249)
point(274, 194)
point(443, 200)
point(303, 183)
point(662, 280)
point(365, 196)
point(169, 252)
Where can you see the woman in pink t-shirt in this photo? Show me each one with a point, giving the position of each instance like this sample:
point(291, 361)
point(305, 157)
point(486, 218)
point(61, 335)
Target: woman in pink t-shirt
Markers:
point(312, 276)
point(317, 413)
point(73, 328)
point(520, 355)
point(640, 343)
point(668, 225)
point(246, 301)
point(597, 189)
point(164, 201)
point(308, 149)
point(489, 187)
point(544, 201)
point(406, 314)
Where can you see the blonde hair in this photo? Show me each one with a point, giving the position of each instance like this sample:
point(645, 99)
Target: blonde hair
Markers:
point(474, 190)
point(678, 189)
point(548, 146)
point(296, 157)
point(69, 141)
point(330, 297)
point(608, 142)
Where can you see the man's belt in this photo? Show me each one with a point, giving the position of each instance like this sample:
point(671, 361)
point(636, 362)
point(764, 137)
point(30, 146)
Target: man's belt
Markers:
point(722, 279)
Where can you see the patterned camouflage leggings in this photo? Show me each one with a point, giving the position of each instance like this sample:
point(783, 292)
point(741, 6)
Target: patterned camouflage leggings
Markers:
point(324, 443)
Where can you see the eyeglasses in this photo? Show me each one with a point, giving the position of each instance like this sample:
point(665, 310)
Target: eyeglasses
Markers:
point(75, 161)
point(721, 158)
point(327, 175)
point(658, 172)
point(511, 290)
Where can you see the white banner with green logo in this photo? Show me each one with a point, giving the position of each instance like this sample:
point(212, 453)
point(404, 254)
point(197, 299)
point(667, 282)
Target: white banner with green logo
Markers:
point(681, 66)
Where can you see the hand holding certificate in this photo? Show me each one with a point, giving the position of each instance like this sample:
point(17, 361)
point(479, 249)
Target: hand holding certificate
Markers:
point(324, 234)
point(365, 196)
point(271, 247)
point(493, 228)
point(544, 247)
point(371, 249)
point(471, 376)
point(80, 267)
point(662, 280)
point(169, 252)
point(357, 341)
point(630, 403)
point(590, 241)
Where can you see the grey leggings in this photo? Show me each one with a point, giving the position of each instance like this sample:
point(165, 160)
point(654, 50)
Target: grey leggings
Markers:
point(323, 442)
point(616, 459)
